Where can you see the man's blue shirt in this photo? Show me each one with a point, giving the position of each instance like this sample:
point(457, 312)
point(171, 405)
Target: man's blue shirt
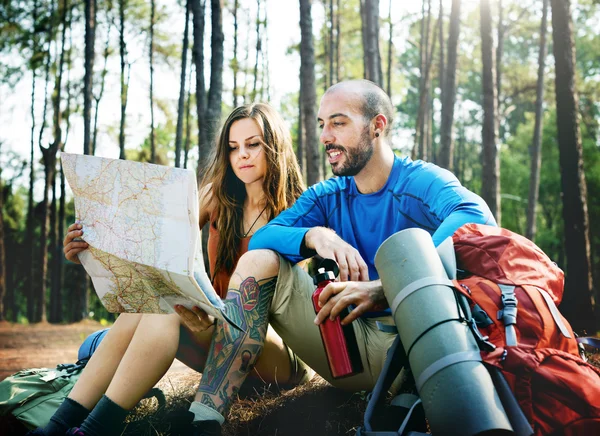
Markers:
point(416, 194)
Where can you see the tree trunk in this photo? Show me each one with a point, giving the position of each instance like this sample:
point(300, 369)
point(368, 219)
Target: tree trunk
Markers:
point(490, 171)
point(300, 142)
point(124, 84)
point(308, 93)
point(337, 41)
point(188, 129)
point(246, 58)
point(372, 55)
point(445, 158)
point(257, 52)
point(39, 314)
point(499, 53)
point(536, 150)
point(3, 270)
point(88, 79)
point(182, 80)
point(235, 66)
point(578, 303)
point(331, 43)
point(390, 46)
point(53, 236)
point(151, 62)
point(425, 83)
point(266, 81)
point(102, 78)
point(215, 92)
point(442, 60)
point(198, 8)
point(29, 244)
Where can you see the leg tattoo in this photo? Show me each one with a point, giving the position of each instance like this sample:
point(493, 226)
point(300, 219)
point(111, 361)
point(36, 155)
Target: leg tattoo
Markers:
point(233, 354)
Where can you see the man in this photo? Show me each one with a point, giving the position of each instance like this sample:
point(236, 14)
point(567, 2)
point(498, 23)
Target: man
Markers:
point(346, 219)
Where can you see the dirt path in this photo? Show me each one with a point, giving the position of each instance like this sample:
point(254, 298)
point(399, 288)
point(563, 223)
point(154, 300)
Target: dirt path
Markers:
point(46, 345)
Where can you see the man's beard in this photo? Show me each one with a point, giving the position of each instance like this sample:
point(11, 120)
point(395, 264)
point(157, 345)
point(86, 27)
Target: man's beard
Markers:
point(356, 158)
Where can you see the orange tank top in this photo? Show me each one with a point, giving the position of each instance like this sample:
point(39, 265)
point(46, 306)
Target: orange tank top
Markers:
point(221, 280)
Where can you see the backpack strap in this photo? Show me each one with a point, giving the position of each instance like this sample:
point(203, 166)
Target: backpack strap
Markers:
point(515, 414)
point(554, 312)
point(417, 285)
point(508, 313)
point(444, 362)
point(394, 361)
point(588, 340)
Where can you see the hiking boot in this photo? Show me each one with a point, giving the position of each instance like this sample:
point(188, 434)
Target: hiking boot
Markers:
point(206, 428)
point(75, 431)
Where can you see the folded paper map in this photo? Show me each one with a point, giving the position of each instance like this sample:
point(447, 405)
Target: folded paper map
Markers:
point(141, 223)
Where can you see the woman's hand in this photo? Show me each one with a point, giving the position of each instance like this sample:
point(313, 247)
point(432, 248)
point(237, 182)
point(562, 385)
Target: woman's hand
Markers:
point(195, 320)
point(71, 246)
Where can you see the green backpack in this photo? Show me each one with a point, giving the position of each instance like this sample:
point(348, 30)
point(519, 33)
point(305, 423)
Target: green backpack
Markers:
point(33, 395)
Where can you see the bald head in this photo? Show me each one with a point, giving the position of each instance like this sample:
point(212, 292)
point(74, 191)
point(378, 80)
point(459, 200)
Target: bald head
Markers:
point(371, 100)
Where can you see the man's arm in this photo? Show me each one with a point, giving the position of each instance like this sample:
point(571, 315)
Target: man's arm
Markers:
point(285, 233)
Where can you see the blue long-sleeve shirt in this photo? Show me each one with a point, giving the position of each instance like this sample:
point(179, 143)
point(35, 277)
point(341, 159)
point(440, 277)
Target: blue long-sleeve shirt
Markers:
point(416, 194)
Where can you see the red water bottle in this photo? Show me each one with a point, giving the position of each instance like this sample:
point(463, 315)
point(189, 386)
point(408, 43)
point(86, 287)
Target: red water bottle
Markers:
point(340, 343)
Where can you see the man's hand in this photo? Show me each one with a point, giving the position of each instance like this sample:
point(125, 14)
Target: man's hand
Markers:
point(329, 245)
point(336, 296)
point(195, 320)
point(72, 246)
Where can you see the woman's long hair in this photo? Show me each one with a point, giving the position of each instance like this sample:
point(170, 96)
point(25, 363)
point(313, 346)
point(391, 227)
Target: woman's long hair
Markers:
point(282, 184)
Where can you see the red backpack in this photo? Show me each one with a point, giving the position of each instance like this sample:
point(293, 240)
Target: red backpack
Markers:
point(513, 289)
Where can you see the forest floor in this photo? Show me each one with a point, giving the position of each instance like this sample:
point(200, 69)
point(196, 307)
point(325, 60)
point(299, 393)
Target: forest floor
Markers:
point(315, 408)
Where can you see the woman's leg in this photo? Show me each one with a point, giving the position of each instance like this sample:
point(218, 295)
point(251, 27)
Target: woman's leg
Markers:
point(150, 352)
point(148, 357)
point(101, 368)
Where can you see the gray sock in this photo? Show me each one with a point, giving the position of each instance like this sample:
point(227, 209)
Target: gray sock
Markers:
point(204, 413)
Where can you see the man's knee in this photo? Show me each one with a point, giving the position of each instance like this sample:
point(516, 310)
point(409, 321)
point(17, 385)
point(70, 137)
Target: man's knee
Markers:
point(258, 263)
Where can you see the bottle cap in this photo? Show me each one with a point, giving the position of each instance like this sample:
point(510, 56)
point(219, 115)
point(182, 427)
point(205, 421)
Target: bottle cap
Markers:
point(327, 270)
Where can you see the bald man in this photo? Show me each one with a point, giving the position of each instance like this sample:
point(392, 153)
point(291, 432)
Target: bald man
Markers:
point(346, 218)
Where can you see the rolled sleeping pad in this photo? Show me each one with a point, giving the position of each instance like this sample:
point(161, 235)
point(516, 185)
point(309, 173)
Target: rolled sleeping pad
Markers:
point(457, 391)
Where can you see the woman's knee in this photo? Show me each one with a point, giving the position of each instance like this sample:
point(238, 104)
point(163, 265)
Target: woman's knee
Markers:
point(259, 263)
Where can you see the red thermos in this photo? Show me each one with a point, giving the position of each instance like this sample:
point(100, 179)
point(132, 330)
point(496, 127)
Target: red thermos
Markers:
point(339, 341)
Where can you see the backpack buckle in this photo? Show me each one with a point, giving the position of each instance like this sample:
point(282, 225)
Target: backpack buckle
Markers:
point(482, 341)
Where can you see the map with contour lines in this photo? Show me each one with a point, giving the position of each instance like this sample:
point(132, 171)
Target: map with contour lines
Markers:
point(141, 223)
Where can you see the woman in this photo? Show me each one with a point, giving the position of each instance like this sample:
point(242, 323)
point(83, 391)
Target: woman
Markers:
point(253, 176)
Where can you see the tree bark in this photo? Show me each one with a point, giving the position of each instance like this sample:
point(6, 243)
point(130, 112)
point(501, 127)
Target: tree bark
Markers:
point(88, 79)
point(124, 83)
point(499, 54)
point(490, 177)
point(373, 71)
point(445, 158)
point(182, 80)
point(102, 78)
point(257, 53)
point(215, 91)
point(29, 244)
point(390, 47)
point(235, 66)
point(151, 62)
point(337, 41)
point(198, 8)
point(536, 149)
point(188, 129)
point(3, 271)
point(442, 60)
point(578, 302)
point(308, 93)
